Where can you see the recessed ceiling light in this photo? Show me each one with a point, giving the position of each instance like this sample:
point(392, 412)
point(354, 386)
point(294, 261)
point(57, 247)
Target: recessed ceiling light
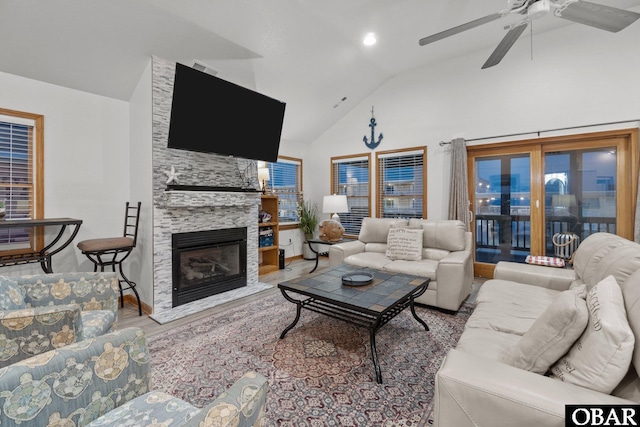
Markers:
point(369, 39)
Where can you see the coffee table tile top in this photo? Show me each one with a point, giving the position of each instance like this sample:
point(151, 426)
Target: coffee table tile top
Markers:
point(383, 292)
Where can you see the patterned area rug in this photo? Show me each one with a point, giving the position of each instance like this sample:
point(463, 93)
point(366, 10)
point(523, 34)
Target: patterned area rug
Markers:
point(321, 373)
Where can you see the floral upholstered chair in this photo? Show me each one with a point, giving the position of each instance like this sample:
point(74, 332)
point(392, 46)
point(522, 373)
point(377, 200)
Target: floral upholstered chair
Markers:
point(106, 381)
point(46, 311)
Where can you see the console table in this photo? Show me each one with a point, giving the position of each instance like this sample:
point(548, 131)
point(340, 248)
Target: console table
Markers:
point(44, 255)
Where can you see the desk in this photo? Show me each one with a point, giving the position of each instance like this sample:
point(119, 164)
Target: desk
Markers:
point(322, 242)
point(44, 255)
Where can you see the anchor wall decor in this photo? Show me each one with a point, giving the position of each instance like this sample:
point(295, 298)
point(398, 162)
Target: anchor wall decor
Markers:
point(372, 124)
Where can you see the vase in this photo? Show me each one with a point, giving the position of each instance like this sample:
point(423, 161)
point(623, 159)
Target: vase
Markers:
point(308, 236)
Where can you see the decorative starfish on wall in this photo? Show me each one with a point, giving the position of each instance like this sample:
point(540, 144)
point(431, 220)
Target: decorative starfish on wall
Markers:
point(172, 176)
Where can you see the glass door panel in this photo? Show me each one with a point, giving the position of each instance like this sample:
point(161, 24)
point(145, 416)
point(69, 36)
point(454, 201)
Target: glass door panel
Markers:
point(580, 193)
point(502, 208)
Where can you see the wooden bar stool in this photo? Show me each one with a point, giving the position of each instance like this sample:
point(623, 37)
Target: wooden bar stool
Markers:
point(113, 250)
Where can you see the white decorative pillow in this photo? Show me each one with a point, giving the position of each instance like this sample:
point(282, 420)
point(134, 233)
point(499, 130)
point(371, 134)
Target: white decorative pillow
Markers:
point(404, 243)
point(553, 333)
point(602, 355)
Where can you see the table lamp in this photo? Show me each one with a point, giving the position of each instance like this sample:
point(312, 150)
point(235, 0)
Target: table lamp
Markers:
point(335, 204)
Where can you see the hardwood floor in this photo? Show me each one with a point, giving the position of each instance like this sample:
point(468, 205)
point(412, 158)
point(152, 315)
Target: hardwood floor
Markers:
point(128, 316)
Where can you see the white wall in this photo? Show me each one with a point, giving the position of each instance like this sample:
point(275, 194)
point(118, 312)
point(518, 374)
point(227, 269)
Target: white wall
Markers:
point(578, 76)
point(86, 140)
point(140, 263)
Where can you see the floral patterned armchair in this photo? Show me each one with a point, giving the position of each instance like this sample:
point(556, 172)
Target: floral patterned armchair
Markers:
point(46, 311)
point(106, 381)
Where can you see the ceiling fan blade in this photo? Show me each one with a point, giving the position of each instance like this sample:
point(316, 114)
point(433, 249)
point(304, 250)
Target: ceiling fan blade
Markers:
point(505, 44)
point(460, 28)
point(598, 15)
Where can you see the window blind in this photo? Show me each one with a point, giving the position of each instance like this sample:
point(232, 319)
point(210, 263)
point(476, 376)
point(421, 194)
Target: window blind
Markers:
point(285, 182)
point(16, 179)
point(401, 189)
point(351, 177)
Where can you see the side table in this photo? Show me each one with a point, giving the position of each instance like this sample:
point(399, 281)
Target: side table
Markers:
point(311, 242)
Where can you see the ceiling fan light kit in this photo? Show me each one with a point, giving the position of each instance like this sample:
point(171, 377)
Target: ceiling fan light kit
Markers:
point(580, 11)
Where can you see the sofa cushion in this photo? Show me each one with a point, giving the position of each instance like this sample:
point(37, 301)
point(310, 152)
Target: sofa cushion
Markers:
point(11, 296)
point(97, 322)
point(368, 259)
point(494, 345)
point(404, 243)
point(552, 334)
point(375, 230)
point(442, 234)
point(422, 268)
point(509, 307)
point(602, 355)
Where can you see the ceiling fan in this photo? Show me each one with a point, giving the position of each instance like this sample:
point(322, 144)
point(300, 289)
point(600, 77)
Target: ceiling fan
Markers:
point(583, 12)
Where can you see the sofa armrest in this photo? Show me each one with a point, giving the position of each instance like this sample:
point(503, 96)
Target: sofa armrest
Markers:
point(475, 391)
point(455, 279)
point(81, 381)
point(340, 251)
point(27, 332)
point(537, 275)
point(242, 405)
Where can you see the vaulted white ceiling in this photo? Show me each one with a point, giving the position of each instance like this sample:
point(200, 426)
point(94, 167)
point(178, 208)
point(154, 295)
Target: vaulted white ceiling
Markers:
point(306, 53)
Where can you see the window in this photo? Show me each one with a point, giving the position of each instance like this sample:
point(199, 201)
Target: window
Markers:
point(350, 175)
point(285, 178)
point(21, 177)
point(402, 183)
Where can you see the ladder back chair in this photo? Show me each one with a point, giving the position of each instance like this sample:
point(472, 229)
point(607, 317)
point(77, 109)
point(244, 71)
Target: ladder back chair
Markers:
point(112, 251)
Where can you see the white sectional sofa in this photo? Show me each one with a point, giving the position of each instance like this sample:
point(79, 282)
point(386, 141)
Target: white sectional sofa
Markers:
point(541, 338)
point(438, 249)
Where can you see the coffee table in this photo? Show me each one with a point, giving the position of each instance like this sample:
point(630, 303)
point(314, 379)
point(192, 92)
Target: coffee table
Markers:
point(370, 306)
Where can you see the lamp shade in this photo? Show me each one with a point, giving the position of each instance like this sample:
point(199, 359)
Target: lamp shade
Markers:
point(335, 204)
point(263, 174)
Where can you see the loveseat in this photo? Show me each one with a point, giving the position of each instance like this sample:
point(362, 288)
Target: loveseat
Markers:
point(542, 337)
point(106, 381)
point(46, 311)
point(437, 249)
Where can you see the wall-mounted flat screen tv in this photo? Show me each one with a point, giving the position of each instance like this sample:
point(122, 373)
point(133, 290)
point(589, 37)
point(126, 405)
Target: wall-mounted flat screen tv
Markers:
point(212, 115)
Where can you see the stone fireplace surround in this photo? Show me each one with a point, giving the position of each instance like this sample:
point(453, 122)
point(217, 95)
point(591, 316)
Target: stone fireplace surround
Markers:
point(178, 211)
point(186, 211)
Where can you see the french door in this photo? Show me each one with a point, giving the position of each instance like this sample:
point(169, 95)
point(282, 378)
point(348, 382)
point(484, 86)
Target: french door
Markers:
point(524, 192)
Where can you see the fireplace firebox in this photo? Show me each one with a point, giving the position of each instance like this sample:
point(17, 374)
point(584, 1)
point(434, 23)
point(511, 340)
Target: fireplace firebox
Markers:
point(207, 263)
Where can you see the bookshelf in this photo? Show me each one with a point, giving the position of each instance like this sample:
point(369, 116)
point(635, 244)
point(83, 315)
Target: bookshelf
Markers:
point(268, 236)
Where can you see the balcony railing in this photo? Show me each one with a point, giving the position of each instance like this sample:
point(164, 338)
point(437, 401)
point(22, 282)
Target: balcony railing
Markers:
point(510, 235)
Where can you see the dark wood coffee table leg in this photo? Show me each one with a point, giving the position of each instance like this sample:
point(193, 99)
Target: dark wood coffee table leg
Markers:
point(298, 304)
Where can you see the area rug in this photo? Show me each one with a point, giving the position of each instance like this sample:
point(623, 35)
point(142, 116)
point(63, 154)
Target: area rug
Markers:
point(321, 373)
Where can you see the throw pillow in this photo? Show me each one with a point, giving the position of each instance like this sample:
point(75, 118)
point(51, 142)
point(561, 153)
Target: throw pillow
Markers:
point(404, 243)
point(602, 355)
point(553, 333)
point(11, 297)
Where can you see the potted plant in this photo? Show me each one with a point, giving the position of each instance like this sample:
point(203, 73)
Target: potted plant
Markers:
point(309, 218)
point(3, 209)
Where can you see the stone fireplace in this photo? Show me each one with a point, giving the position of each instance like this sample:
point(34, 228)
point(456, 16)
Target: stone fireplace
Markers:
point(212, 195)
point(185, 213)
